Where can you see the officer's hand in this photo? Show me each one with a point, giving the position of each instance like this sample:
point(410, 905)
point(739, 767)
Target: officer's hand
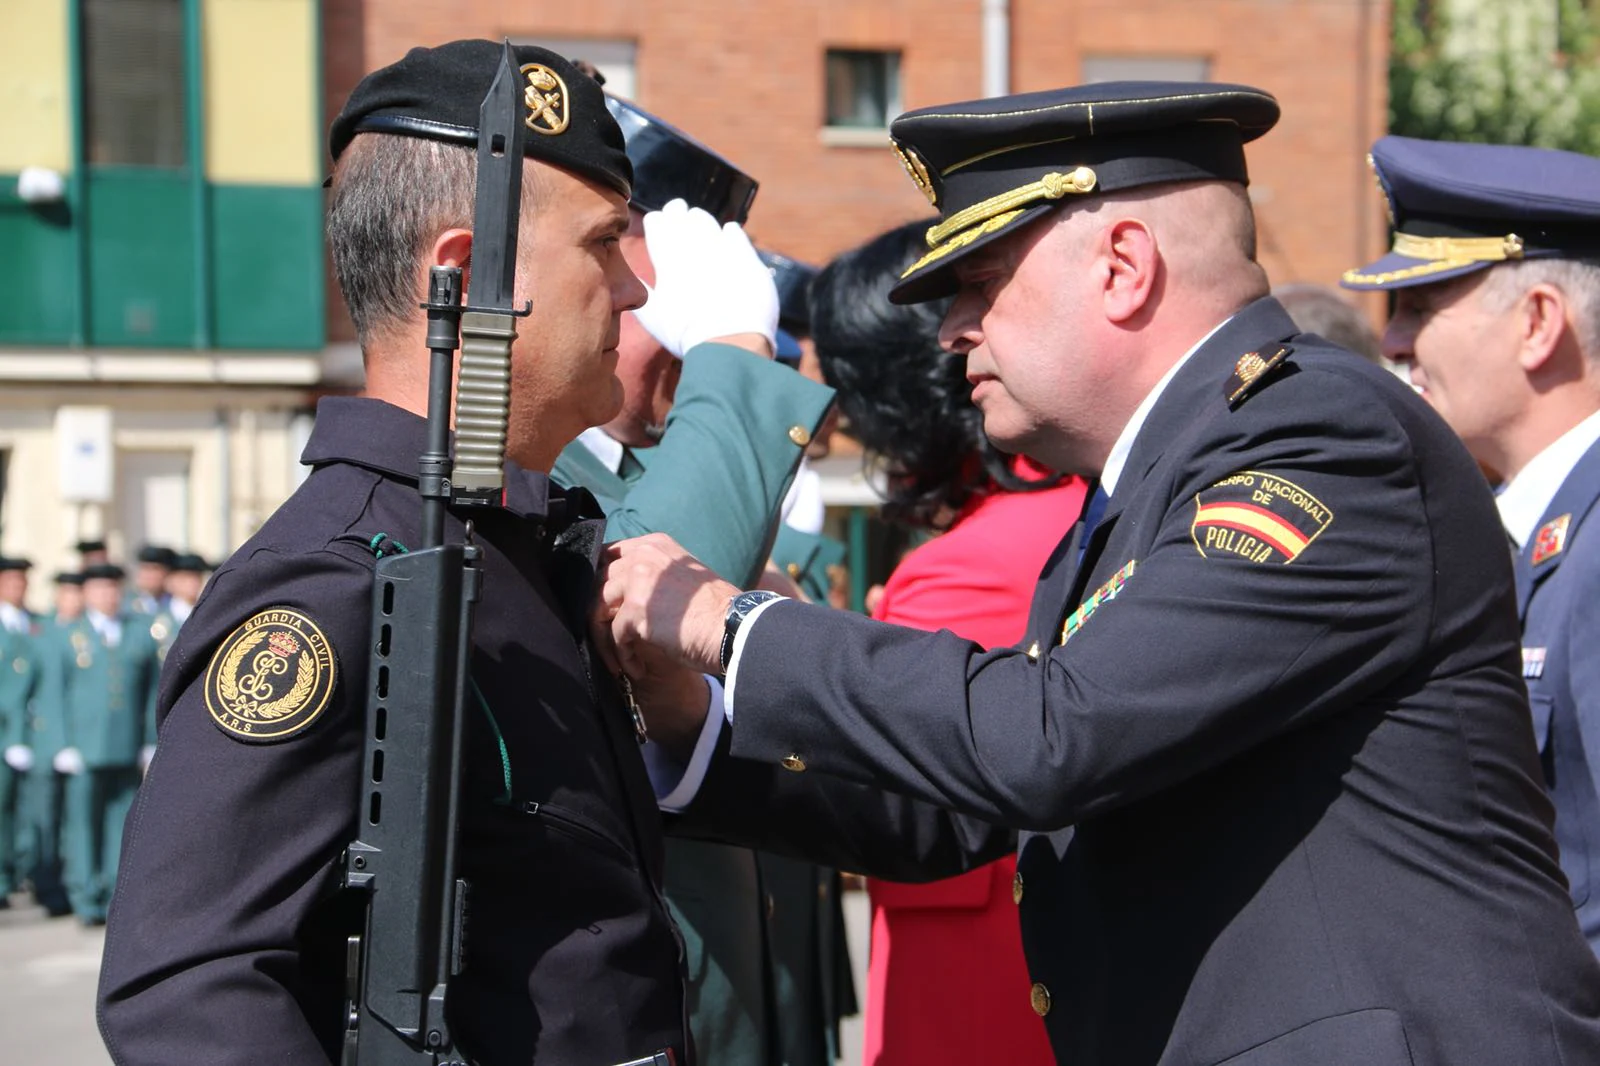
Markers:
point(19, 758)
point(710, 284)
point(673, 699)
point(68, 761)
point(657, 593)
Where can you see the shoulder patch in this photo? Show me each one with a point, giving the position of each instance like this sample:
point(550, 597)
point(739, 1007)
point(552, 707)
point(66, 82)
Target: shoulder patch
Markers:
point(272, 678)
point(1257, 516)
point(1252, 369)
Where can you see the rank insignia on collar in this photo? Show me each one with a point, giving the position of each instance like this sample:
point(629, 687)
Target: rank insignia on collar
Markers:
point(1251, 369)
point(272, 678)
point(1533, 663)
point(1551, 538)
point(1102, 595)
point(545, 96)
point(1257, 516)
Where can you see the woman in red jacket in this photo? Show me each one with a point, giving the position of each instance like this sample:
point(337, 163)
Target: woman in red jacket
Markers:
point(946, 980)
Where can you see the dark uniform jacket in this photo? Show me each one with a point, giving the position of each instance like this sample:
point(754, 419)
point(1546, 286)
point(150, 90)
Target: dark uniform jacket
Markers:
point(1286, 725)
point(1559, 600)
point(226, 937)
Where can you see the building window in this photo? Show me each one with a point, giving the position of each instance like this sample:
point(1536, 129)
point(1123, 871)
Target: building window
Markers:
point(133, 83)
point(863, 89)
point(1146, 68)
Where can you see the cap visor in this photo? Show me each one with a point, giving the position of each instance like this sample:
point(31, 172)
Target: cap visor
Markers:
point(1396, 271)
point(935, 279)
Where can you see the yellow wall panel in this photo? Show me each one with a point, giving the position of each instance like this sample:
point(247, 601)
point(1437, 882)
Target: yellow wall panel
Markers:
point(35, 101)
point(263, 124)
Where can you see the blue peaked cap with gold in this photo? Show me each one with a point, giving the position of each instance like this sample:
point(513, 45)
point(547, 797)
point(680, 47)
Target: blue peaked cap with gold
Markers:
point(1457, 208)
point(992, 166)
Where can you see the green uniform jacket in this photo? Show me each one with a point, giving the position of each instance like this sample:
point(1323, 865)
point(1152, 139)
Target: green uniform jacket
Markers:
point(715, 484)
point(18, 676)
point(107, 696)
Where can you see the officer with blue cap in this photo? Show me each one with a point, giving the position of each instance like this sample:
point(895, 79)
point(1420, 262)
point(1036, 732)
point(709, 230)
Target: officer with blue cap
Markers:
point(1495, 273)
point(1263, 747)
point(708, 439)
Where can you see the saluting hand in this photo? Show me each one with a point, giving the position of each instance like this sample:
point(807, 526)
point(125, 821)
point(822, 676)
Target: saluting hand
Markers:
point(656, 593)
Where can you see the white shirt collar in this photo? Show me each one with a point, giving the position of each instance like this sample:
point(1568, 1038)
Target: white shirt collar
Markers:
point(14, 618)
point(603, 446)
point(1112, 472)
point(1527, 496)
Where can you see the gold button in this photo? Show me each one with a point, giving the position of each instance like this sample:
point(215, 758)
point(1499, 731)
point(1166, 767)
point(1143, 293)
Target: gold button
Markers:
point(800, 435)
point(1033, 651)
point(1016, 887)
point(794, 570)
point(794, 763)
point(1040, 998)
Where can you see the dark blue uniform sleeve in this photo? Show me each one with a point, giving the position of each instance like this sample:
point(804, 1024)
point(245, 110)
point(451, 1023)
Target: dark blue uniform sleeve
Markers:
point(1199, 654)
point(226, 893)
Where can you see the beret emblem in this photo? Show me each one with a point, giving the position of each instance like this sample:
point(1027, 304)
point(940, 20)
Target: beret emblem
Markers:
point(545, 97)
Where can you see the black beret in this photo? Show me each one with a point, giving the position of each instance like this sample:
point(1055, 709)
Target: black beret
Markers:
point(69, 577)
point(992, 166)
point(106, 571)
point(189, 562)
point(436, 93)
point(8, 563)
point(793, 279)
point(155, 553)
point(668, 164)
point(86, 546)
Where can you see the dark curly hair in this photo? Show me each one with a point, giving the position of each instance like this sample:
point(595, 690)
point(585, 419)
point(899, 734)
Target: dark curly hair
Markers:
point(906, 399)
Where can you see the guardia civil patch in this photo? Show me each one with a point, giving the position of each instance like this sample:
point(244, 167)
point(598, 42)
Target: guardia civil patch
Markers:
point(1257, 516)
point(272, 678)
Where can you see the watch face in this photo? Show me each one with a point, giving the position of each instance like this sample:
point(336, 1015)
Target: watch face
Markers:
point(746, 602)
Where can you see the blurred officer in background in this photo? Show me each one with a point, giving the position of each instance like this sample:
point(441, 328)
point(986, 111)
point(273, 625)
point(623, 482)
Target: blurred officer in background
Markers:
point(149, 595)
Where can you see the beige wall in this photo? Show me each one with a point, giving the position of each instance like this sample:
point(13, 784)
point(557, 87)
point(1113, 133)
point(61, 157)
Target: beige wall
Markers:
point(35, 124)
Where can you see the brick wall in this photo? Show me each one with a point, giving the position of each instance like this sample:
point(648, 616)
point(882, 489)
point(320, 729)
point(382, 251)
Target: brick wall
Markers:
point(746, 77)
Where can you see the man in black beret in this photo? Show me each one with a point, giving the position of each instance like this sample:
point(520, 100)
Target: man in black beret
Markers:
point(154, 563)
point(227, 939)
point(1264, 748)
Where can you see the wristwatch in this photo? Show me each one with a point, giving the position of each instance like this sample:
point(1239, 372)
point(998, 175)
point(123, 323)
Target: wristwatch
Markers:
point(739, 608)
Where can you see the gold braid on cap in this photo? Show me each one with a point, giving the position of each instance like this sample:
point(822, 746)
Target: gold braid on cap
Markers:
point(1052, 186)
point(1441, 254)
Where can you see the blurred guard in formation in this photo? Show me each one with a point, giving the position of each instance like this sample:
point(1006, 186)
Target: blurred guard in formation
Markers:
point(149, 594)
point(100, 685)
point(1495, 273)
point(17, 631)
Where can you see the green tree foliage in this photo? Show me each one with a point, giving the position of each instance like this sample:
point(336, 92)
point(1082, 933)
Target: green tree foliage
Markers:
point(1475, 70)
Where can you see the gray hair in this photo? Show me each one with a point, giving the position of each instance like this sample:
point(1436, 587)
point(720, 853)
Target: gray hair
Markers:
point(1578, 280)
point(392, 196)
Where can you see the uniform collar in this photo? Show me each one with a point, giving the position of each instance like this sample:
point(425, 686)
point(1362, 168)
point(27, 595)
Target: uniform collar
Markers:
point(1528, 495)
point(1124, 446)
point(386, 439)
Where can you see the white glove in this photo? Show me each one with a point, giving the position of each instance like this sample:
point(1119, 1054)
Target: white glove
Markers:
point(68, 761)
point(146, 753)
point(709, 281)
point(19, 758)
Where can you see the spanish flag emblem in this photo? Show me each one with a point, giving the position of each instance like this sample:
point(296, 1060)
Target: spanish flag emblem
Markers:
point(1257, 516)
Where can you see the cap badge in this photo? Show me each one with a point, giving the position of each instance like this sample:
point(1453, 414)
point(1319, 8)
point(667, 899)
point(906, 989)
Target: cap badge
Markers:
point(546, 99)
point(272, 678)
point(917, 169)
point(1551, 539)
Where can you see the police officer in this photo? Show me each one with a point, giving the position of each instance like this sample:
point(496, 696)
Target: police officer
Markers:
point(17, 629)
point(102, 688)
point(1265, 744)
point(185, 579)
point(149, 594)
point(226, 942)
point(714, 479)
point(1495, 273)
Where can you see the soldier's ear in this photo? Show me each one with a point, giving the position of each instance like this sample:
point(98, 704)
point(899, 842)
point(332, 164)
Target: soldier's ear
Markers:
point(453, 247)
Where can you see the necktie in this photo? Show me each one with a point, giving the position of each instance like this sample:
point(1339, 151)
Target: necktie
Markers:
point(1091, 518)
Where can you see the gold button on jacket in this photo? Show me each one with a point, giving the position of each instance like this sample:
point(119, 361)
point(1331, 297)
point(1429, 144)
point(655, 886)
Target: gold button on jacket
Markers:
point(794, 763)
point(1016, 887)
point(1040, 998)
point(800, 435)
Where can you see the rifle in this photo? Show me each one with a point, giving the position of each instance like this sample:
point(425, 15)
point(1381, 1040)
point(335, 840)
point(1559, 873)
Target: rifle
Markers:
point(404, 857)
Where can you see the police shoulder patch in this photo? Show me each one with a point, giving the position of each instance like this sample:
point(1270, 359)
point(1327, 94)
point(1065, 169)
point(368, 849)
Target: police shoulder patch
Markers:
point(1252, 369)
point(1257, 516)
point(272, 678)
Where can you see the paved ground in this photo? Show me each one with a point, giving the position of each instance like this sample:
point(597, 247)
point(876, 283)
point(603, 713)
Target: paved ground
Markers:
point(48, 968)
